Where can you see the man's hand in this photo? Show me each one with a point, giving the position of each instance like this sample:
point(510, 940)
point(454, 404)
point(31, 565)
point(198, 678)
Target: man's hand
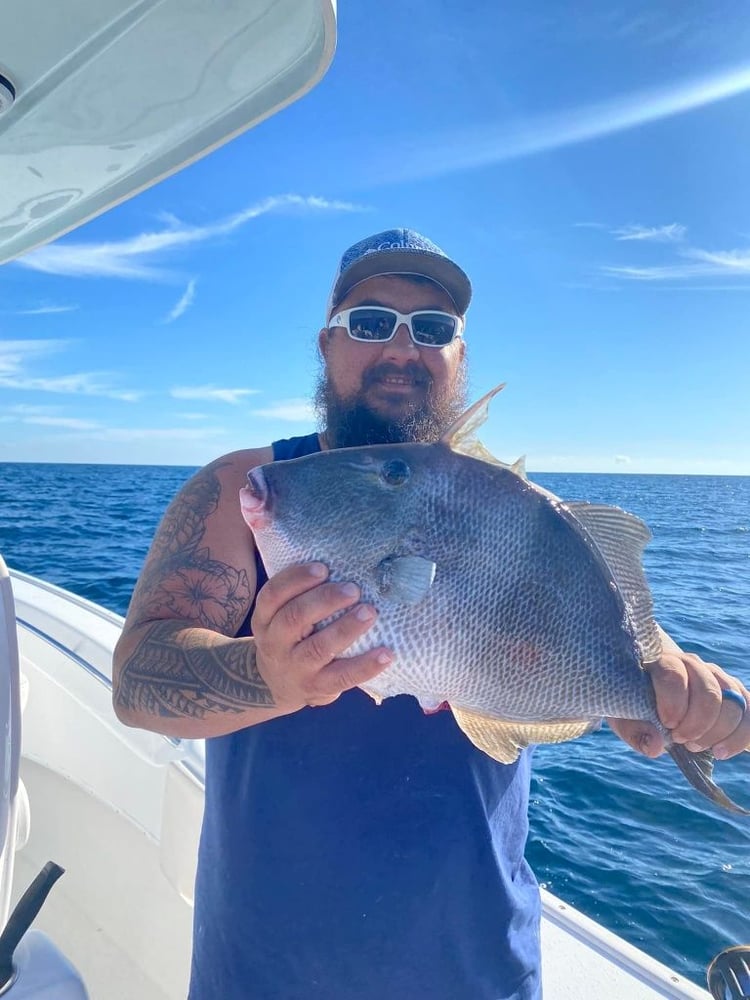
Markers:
point(299, 665)
point(690, 704)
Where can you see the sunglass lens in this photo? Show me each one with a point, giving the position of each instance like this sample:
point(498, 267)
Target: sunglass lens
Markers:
point(433, 329)
point(371, 324)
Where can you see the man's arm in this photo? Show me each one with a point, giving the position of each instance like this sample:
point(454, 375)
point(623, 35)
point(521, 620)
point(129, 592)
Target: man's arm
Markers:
point(178, 668)
point(690, 704)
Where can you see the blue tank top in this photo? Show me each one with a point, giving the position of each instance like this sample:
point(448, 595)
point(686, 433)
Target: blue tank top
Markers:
point(362, 852)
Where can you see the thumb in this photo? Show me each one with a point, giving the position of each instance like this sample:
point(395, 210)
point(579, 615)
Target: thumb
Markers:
point(641, 736)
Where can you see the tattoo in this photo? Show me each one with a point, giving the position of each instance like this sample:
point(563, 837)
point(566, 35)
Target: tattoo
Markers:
point(180, 579)
point(173, 673)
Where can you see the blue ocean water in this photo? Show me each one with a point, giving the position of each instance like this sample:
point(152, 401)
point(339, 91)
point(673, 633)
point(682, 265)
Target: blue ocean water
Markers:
point(622, 838)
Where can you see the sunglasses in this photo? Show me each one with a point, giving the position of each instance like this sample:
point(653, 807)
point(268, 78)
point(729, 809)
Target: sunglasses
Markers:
point(375, 324)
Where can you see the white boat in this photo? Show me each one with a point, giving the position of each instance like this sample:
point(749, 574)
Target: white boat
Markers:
point(120, 810)
point(90, 113)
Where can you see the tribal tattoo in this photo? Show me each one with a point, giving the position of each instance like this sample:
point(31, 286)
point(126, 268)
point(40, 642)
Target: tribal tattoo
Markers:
point(173, 673)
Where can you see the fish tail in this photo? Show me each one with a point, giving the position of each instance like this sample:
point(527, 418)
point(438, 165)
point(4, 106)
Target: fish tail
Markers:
point(698, 769)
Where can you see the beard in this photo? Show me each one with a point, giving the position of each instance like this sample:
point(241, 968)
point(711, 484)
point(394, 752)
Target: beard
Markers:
point(349, 422)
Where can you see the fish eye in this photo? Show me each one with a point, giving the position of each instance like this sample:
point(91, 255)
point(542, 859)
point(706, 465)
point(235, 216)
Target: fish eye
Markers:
point(395, 472)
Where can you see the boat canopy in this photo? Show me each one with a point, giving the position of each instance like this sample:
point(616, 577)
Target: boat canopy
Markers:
point(101, 100)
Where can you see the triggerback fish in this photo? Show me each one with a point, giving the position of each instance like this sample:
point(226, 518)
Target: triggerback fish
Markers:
point(529, 616)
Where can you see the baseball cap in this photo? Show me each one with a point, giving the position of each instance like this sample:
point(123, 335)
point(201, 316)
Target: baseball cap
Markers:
point(399, 251)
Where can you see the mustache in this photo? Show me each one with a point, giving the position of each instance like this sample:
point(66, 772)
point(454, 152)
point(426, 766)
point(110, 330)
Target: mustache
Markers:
point(419, 375)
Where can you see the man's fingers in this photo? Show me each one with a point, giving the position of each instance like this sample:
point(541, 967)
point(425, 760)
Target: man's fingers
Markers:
point(688, 695)
point(348, 672)
point(295, 620)
point(704, 707)
point(670, 682)
point(690, 703)
point(299, 659)
point(731, 733)
point(283, 587)
point(319, 648)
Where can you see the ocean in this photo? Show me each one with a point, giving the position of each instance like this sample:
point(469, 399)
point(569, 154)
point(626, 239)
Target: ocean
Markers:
point(622, 838)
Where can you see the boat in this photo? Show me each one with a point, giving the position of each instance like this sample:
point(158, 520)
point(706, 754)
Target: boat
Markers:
point(120, 809)
point(90, 114)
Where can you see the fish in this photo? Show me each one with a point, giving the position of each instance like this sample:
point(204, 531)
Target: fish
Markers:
point(529, 616)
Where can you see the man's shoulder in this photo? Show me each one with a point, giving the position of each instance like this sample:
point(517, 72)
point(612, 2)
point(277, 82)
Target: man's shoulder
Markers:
point(245, 458)
point(229, 472)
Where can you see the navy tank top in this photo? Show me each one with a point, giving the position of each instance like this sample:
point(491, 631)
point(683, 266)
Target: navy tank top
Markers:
point(363, 852)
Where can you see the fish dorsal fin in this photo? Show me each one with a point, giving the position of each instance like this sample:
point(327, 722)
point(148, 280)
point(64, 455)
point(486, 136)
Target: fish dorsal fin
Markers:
point(405, 579)
point(461, 435)
point(621, 539)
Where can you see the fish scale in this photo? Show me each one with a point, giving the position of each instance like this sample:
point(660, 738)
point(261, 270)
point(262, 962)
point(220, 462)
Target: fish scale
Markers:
point(530, 617)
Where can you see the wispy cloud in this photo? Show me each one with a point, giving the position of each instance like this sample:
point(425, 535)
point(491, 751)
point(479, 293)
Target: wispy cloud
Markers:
point(135, 257)
point(17, 355)
point(726, 261)
point(14, 354)
point(185, 302)
point(27, 410)
point(694, 263)
point(80, 383)
point(45, 310)
point(300, 410)
point(212, 393)
point(493, 142)
point(672, 233)
point(134, 434)
point(75, 429)
point(67, 423)
point(644, 27)
point(45, 416)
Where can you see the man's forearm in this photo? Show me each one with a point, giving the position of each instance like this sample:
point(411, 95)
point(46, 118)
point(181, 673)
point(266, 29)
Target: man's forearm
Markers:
point(190, 682)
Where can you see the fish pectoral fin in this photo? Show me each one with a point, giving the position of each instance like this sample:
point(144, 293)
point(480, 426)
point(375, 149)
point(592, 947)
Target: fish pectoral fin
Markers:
point(503, 740)
point(405, 579)
point(621, 539)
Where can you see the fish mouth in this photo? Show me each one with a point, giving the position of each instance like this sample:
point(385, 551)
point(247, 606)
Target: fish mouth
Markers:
point(255, 500)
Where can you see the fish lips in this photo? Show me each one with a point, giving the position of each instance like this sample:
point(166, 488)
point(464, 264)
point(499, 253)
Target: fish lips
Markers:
point(255, 500)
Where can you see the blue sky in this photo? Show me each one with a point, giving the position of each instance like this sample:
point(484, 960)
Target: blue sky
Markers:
point(586, 164)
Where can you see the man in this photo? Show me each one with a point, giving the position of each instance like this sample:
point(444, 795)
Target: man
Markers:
point(349, 851)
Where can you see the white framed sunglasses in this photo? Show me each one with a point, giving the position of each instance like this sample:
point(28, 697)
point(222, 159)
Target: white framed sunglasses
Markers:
point(376, 324)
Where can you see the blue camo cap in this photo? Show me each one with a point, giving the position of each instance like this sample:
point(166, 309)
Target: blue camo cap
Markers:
point(400, 251)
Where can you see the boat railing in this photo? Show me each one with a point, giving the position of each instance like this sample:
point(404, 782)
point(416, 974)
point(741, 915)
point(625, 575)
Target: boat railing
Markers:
point(74, 636)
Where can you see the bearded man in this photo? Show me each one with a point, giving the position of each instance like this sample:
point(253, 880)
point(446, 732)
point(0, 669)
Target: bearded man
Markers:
point(349, 851)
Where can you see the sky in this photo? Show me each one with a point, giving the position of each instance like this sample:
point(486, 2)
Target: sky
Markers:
point(587, 164)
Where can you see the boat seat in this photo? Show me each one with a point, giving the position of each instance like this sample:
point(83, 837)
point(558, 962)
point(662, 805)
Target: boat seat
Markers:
point(43, 972)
